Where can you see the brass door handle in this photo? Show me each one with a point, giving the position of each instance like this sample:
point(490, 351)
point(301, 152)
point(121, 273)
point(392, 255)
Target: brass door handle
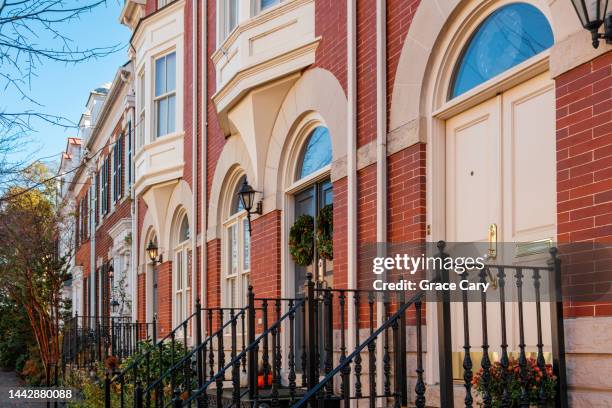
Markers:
point(492, 252)
point(492, 233)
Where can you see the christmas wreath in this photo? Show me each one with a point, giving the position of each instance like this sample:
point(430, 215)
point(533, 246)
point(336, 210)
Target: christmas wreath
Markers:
point(301, 240)
point(325, 232)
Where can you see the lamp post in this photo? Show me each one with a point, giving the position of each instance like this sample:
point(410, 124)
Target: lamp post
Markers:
point(152, 251)
point(592, 14)
point(247, 198)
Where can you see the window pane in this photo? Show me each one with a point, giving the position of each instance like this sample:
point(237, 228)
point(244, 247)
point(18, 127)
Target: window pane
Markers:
point(160, 76)
point(233, 250)
point(267, 3)
point(179, 270)
point(141, 126)
point(246, 246)
point(171, 72)
point(318, 153)
point(237, 202)
point(232, 15)
point(184, 230)
point(171, 114)
point(162, 117)
point(231, 287)
point(509, 36)
point(179, 307)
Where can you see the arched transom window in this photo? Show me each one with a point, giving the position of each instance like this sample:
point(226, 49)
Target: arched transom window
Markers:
point(317, 154)
point(509, 36)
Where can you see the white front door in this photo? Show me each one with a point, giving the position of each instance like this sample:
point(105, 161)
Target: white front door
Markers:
point(501, 170)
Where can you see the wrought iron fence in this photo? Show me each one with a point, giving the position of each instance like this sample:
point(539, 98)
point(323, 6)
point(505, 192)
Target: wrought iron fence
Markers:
point(303, 351)
point(88, 340)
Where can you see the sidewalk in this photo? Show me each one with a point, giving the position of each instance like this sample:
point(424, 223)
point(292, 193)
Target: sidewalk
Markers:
point(10, 380)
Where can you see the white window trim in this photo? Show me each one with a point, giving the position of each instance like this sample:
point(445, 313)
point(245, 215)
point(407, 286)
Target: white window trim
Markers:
point(166, 95)
point(141, 112)
point(242, 275)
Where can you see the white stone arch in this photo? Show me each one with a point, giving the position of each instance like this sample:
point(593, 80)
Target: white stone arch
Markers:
point(428, 36)
point(437, 35)
point(234, 155)
point(316, 94)
point(180, 200)
point(148, 230)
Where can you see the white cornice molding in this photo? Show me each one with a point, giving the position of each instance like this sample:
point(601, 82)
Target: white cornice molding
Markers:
point(260, 73)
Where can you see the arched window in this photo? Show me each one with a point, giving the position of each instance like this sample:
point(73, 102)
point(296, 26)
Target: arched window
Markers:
point(313, 195)
point(317, 154)
point(238, 252)
point(182, 270)
point(509, 36)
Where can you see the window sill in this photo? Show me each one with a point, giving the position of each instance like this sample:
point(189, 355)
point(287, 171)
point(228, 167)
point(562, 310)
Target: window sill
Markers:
point(159, 161)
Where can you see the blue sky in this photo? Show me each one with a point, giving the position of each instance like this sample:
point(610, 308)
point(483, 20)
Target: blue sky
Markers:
point(63, 89)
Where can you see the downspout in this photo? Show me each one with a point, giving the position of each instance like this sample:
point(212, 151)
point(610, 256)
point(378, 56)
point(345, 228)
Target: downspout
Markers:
point(352, 165)
point(381, 155)
point(204, 158)
point(194, 149)
point(91, 287)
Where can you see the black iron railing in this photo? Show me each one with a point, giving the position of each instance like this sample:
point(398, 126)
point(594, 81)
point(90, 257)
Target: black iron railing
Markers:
point(518, 279)
point(188, 372)
point(211, 393)
point(305, 352)
point(176, 363)
point(320, 392)
point(88, 340)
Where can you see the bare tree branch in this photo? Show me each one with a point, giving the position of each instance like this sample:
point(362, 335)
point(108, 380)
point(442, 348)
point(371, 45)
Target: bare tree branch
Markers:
point(32, 32)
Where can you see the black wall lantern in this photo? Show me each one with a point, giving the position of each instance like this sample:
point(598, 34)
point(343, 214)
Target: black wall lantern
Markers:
point(114, 306)
point(592, 14)
point(247, 198)
point(152, 251)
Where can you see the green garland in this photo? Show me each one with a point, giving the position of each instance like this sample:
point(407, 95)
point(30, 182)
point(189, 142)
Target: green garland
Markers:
point(301, 240)
point(325, 232)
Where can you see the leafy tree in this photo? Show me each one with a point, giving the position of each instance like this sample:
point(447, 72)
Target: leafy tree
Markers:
point(15, 334)
point(32, 274)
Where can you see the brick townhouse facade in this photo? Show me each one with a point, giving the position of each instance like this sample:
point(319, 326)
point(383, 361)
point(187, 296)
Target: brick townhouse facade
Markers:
point(397, 112)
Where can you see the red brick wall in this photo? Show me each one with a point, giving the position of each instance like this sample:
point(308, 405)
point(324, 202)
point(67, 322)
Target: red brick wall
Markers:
point(150, 7)
point(406, 206)
point(340, 239)
point(216, 139)
point(584, 162)
point(266, 255)
point(213, 273)
point(141, 313)
point(366, 218)
point(188, 95)
point(366, 71)
point(164, 298)
point(330, 24)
